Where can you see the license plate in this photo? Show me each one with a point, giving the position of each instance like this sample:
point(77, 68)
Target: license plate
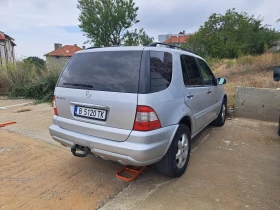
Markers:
point(97, 114)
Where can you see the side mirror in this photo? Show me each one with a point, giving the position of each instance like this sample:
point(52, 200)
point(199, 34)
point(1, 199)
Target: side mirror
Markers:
point(276, 75)
point(222, 81)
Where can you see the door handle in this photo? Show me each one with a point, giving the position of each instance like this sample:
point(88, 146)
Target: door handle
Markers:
point(190, 96)
point(209, 91)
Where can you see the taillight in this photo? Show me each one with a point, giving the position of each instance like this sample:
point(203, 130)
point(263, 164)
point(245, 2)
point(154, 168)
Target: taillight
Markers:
point(146, 119)
point(54, 106)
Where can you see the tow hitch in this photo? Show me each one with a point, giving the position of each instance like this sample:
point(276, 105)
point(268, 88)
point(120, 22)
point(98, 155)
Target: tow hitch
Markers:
point(84, 150)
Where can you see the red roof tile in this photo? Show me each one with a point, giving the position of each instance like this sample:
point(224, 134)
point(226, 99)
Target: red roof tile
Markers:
point(65, 51)
point(176, 39)
point(2, 37)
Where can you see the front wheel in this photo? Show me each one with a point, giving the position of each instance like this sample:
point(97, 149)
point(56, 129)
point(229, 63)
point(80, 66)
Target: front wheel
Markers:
point(220, 121)
point(175, 161)
point(279, 127)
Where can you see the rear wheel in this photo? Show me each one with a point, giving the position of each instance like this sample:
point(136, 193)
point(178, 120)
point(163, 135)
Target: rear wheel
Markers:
point(220, 121)
point(175, 161)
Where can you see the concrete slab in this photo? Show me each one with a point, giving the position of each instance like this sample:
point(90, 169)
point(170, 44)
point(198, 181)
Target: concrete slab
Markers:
point(258, 103)
point(32, 120)
point(6, 103)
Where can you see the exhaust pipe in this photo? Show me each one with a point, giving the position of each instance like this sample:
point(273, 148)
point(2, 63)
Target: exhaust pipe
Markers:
point(84, 153)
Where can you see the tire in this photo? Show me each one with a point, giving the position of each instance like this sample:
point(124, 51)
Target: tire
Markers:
point(220, 121)
point(279, 127)
point(171, 166)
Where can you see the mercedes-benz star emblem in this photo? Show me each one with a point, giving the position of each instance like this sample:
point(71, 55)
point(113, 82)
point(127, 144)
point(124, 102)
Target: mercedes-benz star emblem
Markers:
point(88, 94)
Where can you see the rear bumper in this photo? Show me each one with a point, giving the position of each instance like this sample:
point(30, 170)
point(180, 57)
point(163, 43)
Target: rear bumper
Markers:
point(141, 148)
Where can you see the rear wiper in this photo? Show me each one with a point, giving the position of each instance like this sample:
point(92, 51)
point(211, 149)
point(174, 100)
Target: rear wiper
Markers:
point(80, 85)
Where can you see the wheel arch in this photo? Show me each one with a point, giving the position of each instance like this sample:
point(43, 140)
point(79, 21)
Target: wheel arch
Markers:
point(226, 101)
point(225, 97)
point(187, 120)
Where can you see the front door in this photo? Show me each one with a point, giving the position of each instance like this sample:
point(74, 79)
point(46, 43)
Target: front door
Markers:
point(195, 92)
point(210, 83)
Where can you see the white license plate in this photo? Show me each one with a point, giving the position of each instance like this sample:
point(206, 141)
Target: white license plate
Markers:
point(97, 114)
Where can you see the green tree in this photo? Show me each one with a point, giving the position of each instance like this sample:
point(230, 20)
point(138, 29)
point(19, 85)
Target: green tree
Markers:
point(232, 35)
point(36, 61)
point(136, 38)
point(104, 22)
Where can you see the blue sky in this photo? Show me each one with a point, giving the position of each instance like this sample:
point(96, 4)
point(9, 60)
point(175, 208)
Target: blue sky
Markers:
point(71, 29)
point(37, 24)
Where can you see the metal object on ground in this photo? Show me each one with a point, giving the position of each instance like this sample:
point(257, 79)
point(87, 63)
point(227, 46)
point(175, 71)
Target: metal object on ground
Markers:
point(7, 123)
point(129, 173)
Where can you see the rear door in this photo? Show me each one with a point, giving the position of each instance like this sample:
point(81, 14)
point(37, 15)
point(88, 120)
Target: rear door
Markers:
point(97, 93)
point(195, 92)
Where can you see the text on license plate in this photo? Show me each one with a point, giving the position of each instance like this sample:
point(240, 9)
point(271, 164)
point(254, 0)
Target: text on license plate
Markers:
point(90, 113)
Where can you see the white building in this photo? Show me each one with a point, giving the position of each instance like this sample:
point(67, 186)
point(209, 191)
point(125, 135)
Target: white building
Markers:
point(7, 51)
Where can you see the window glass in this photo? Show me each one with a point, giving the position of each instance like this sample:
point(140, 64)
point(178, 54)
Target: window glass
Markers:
point(115, 71)
point(161, 70)
point(184, 71)
point(192, 70)
point(206, 72)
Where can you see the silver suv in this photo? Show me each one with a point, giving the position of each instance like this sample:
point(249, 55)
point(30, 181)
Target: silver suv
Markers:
point(137, 105)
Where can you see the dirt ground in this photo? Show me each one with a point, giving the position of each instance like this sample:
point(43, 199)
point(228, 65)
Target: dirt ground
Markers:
point(32, 121)
point(233, 167)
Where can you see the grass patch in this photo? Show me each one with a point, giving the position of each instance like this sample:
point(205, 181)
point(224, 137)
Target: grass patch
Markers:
point(247, 71)
point(25, 80)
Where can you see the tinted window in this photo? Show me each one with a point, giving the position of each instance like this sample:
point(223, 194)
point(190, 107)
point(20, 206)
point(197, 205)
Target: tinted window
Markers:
point(192, 70)
point(116, 71)
point(184, 71)
point(161, 70)
point(206, 72)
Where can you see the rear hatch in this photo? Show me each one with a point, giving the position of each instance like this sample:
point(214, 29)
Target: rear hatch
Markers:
point(97, 92)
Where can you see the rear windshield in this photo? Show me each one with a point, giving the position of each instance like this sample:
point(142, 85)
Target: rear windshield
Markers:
point(114, 71)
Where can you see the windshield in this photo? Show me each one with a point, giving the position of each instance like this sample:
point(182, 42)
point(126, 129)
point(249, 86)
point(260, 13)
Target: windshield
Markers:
point(115, 71)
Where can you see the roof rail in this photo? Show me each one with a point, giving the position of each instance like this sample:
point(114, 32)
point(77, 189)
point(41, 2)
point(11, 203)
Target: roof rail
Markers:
point(102, 47)
point(92, 47)
point(154, 44)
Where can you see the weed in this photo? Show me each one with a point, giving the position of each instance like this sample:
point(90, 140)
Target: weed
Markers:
point(248, 71)
point(24, 80)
